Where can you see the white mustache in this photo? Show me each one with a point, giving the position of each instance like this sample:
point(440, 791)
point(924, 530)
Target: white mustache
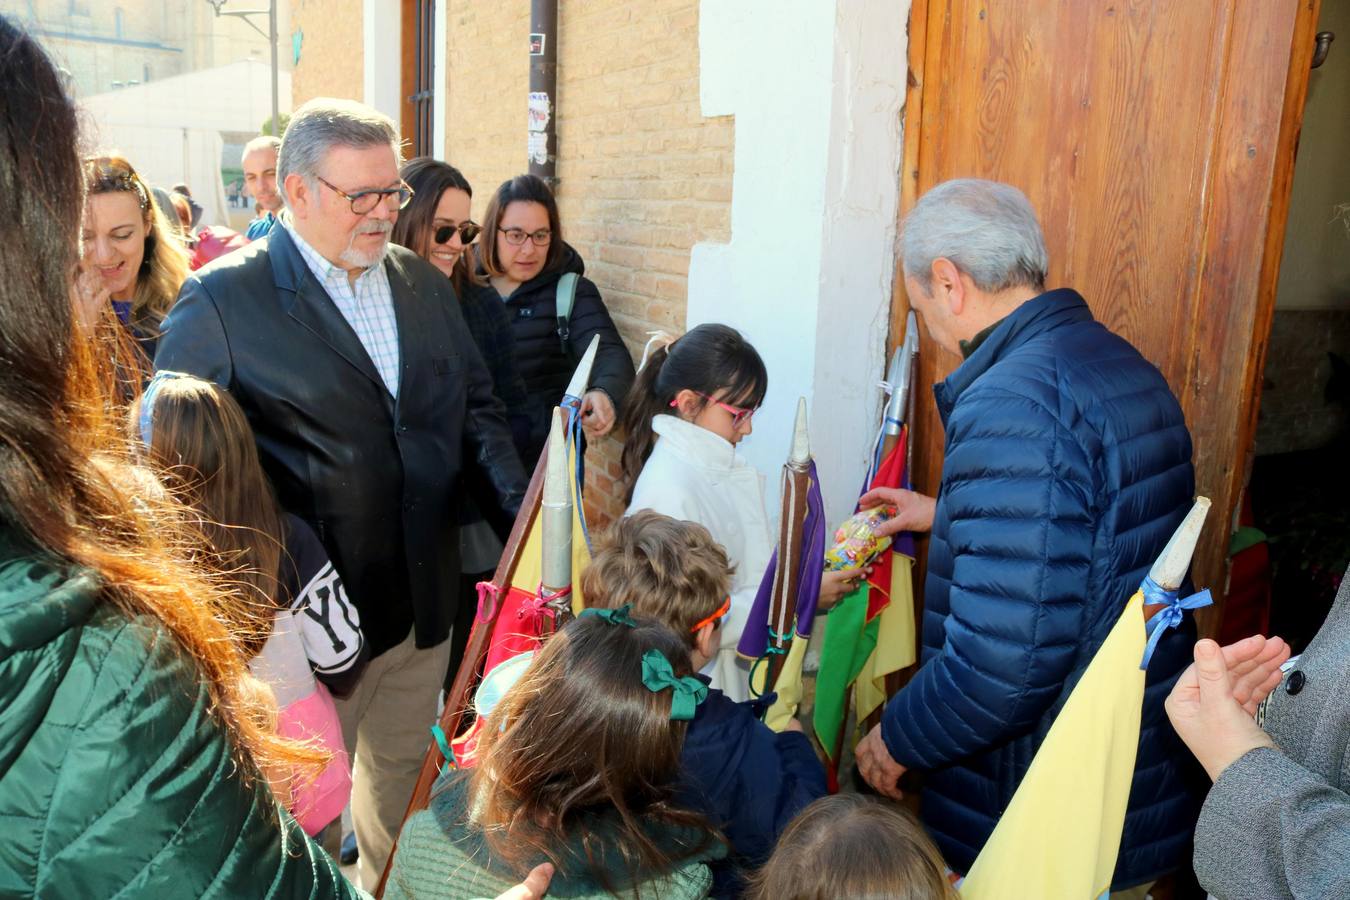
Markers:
point(375, 226)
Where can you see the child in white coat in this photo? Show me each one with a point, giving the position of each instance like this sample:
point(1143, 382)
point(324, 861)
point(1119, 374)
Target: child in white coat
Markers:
point(691, 404)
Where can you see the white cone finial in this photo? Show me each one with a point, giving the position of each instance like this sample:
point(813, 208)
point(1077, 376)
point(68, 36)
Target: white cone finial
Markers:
point(556, 510)
point(800, 454)
point(1169, 570)
point(581, 376)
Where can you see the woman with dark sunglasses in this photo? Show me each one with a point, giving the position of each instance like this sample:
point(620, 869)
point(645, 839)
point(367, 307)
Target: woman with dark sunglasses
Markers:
point(436, 225)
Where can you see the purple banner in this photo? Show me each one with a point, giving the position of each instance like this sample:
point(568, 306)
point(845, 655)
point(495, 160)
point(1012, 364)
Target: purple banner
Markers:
point(810, 566)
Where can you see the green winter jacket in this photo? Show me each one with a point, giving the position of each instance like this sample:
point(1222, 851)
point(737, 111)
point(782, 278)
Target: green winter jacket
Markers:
point(115, 780)
point(441, 856)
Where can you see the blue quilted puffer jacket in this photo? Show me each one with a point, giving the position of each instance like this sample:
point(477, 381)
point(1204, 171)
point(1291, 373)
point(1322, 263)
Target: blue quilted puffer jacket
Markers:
point(1067, 468)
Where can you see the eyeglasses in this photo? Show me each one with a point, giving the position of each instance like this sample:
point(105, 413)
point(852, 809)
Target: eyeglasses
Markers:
point(467, 232)
point(739, 414)
point(516, 236)
point(715, 617)
point(364, 201)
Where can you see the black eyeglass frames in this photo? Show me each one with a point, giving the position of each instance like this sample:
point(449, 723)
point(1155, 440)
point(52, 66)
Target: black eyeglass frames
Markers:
point(363, 202)
point(467, 232)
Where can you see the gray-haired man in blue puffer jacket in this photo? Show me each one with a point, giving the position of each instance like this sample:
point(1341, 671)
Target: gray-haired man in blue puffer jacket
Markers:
point(1067, 467)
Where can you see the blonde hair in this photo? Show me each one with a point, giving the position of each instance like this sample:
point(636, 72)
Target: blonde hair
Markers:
point(164, 266)
point(850, 845)
point(669, 569)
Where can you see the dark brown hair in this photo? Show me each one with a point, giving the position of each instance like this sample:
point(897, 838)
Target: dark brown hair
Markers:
point(666, 568)
point(164, 265)
point(202, 448)
point(851, 845)
point(68, 486)
point(579, 737)
point(521, 189)
point(708, 359)
point(430, 178)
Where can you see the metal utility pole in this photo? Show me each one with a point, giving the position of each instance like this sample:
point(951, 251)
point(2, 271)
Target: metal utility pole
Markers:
point(270, 34)
point(542, 134)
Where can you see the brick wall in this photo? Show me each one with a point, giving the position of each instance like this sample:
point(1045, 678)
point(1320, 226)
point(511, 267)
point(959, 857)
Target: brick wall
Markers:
point(331, 50)
point(643, 175)
point(486, 86)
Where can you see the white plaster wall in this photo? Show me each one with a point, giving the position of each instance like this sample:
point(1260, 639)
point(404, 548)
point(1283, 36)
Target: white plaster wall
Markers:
point(817, 88)
point(382, 75)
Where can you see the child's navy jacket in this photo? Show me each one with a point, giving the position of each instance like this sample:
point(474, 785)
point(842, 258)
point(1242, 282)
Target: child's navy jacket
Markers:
point(748, 780)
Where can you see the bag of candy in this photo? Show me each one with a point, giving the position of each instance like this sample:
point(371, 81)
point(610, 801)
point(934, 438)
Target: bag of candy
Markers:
point(856, 543)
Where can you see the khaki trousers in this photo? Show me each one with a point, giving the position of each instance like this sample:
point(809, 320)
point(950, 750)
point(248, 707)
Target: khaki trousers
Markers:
point(386, 725)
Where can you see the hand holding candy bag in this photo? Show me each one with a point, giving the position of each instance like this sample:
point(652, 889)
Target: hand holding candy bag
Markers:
point(856, 543)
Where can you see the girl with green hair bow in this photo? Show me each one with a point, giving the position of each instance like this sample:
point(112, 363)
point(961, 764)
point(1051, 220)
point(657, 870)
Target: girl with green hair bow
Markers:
point(577, 766)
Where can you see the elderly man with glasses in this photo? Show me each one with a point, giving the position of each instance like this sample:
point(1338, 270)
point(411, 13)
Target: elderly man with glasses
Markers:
point(371, 407)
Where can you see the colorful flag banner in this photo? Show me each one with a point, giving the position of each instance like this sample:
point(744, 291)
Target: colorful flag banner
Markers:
point(1061, 834)
point(759, 639)
point(870, 633)
point(521, 623)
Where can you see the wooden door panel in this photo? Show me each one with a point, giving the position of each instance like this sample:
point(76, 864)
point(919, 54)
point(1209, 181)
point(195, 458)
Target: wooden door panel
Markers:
point(1154, 140)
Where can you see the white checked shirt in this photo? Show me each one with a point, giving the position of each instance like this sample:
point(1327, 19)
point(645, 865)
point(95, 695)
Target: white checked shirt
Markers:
point(368, 306)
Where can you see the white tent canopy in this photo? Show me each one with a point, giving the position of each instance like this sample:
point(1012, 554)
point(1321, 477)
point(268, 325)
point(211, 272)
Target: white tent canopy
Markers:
point(170, 130)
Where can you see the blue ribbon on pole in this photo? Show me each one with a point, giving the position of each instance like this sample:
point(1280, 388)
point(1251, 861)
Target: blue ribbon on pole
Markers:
point(573, 407)
point(1170, 616)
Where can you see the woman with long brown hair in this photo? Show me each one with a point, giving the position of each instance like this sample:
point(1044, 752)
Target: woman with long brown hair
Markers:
point(133, 746)
point(577, 767)
point(134, 250)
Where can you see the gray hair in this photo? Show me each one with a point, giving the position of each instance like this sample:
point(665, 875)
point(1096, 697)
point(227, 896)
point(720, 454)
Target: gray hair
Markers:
point(988, 230)
point(262, 142)
point(322, 124)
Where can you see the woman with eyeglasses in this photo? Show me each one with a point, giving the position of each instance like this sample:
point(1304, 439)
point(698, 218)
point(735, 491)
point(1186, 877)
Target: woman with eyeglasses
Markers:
point(524, 258)
point(133, 255)
point(693, 401)
point(436, 226)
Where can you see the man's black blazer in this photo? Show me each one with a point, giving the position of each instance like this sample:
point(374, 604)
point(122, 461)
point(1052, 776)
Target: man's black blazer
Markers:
point(376, 476)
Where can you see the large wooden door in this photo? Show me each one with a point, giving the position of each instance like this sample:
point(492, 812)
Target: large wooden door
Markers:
point(1155, 140)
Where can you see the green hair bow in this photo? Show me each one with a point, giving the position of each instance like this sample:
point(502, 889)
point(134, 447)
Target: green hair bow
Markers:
point(619, 616)
point(686, 692)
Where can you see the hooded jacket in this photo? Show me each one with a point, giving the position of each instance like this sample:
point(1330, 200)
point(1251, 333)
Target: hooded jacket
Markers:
point(1067, 468)
point(546, 368)
point(115, 776)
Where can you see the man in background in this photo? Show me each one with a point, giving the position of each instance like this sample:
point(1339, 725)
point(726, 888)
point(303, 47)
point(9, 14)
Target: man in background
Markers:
point(260, 182)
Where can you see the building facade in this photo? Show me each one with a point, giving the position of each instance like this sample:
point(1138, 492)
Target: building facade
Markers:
point(108, 45)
